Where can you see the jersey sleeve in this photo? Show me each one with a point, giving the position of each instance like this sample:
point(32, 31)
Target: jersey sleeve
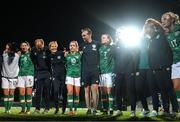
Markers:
point(63, 58)
point(98, 44)
point(48, 60)
point(32, 56)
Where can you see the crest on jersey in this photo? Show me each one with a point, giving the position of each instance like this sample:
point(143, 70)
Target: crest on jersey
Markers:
point(73, 60)
point(59, 57)
point(137, 73)
point(25, 59)
point(44, 56)
point(94, 47)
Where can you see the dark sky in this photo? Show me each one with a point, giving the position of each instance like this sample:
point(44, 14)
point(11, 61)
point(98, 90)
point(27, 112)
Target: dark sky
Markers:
point(62, 20)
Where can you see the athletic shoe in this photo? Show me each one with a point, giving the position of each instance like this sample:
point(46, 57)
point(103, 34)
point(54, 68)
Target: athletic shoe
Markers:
point(22, 112)
point(56, 111)
point(94, 112)
point(28, 112)
point(133, 114)
point(63, 110)
point(7, 112)
point(144, 113)
point(88, 112)
point(75, 112)
point(36, 111)
point(174, 114)
point(70, 113)
point(110, 112)
point(118, 113)
point(153, 113)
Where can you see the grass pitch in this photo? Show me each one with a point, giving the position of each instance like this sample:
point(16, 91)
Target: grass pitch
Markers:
point(14, 116)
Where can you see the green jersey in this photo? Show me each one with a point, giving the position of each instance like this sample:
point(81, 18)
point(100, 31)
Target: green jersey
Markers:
point(173, 39)
point(73, 65)
point(106, 59)
point(143, 62)
point(26, 65)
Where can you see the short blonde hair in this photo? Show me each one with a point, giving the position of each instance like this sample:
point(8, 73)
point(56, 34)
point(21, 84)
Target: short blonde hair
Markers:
point(53, 42)
point(174, 16)
point(75, 43)
point(39, 40)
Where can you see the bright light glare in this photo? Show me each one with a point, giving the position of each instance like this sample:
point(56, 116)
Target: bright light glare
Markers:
point(130, 36)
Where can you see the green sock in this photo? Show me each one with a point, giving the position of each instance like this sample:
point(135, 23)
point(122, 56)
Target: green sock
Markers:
point(70, 101)
point(76, 102)
point(11, 99)
point(104, 101)
point(178, 94)
point(28, 102)
point(110, 99)
point(22, 101)
point(6, 99)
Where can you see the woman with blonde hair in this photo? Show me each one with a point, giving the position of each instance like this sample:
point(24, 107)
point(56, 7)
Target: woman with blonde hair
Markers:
point(57, 62)
point(73, 67)
point(41, 62)
point(171, 22)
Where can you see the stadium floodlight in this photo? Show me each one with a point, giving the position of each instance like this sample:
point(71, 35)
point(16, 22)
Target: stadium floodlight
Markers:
point(129, 36)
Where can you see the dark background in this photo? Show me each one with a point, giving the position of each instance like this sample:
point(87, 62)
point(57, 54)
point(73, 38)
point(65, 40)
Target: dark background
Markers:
point(62, 20)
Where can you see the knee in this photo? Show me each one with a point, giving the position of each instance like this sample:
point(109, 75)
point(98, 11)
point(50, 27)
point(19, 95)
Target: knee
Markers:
point(95, 87)
point(29, 92)
point(70, 90)
point(176, 87)
point(87, 89)
point(22, 93)
point(11, 92)
point(6, 92)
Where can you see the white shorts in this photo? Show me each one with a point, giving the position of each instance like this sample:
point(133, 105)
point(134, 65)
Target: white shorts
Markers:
point(9, 83)
point(25, 81)
point(175, 71)
point(106, 80)
point(73, 81)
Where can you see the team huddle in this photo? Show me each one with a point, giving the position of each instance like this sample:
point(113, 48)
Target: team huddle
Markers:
point(137, 73)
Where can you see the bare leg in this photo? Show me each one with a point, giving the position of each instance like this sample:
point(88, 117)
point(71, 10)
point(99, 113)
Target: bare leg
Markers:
point(94, 89)
point(87, 97)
